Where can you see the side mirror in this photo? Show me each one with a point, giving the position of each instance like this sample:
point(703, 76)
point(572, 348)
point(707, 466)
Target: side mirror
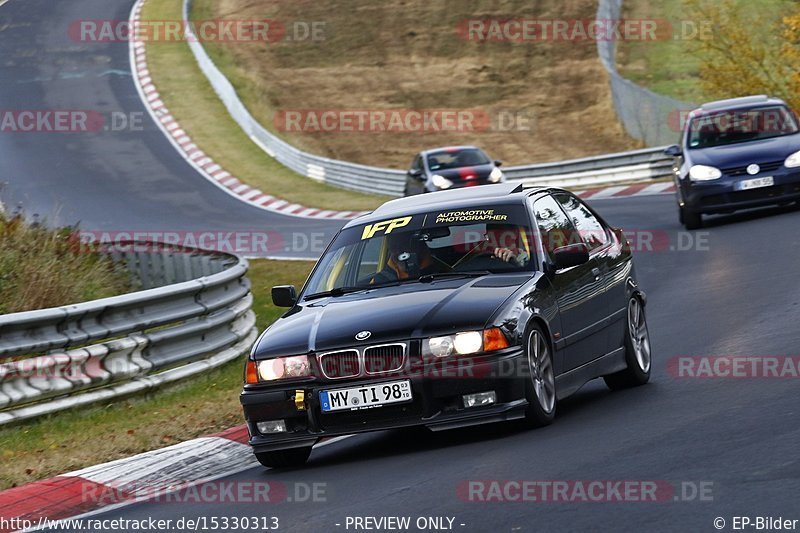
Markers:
point(571, 256)
point(498, 163)
point(284, 296)
point(674, 151)
point(415, 173)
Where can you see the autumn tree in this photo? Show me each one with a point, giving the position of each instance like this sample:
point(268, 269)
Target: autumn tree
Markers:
point(748, 51)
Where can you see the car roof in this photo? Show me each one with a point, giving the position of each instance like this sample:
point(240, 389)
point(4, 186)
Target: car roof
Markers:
point(737, 103)
point(449, 149)
point(463, 198)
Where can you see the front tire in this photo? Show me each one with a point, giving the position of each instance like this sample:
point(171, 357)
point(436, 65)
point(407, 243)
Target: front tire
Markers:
point(690, 219)
point(637, 350)
point(540, 383)
point(291, 458)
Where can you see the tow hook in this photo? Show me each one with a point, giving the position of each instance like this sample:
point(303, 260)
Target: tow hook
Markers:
point(300, 400)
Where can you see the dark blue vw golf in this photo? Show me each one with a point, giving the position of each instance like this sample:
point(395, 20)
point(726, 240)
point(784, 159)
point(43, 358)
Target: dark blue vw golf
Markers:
point(736, 154)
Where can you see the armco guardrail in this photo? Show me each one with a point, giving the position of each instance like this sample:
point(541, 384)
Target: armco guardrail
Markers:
point(59, 358)
point(640, 165)
point(339, 173)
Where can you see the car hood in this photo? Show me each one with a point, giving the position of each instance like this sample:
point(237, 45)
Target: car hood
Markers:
point(389, 314)
point(478, 173)
point(743, 154)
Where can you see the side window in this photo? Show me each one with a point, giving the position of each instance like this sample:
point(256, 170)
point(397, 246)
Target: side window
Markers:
point(555, 228)
point(590, 229)
point(417, 164)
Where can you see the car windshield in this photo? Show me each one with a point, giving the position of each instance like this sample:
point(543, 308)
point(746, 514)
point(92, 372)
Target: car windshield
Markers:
point(742, 125)
point(420, 247)
point(456, 158)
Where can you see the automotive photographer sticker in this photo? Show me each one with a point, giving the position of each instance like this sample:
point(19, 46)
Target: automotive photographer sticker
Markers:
point(471, 215)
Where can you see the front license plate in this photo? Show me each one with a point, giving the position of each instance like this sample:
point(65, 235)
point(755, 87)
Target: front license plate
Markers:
point(755, 183)
point(366, 397)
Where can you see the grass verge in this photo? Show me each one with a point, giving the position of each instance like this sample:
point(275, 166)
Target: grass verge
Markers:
point(194, 104)
point(72, 440)
point(39, 269)
point(545, 101)
point(672, 66)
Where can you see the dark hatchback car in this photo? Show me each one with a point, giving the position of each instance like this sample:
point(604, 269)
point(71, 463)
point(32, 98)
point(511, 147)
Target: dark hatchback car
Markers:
point(451, 168)
point(736, 154)
point(457, 308)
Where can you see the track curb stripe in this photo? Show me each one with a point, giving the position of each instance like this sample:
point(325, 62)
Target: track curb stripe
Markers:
point(627, 191)
point(130, 479)
point(204, 165)
point(133, 479)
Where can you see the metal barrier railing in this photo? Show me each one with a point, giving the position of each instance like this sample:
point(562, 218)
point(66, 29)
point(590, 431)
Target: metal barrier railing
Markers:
point(54, 359)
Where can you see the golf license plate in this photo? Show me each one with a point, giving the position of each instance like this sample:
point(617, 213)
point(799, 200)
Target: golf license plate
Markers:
point(366, 396)
point(755, 183)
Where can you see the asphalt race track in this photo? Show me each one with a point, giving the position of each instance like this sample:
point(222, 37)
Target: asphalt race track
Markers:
point(128, 180)
point(737, 295)
point(729, 289)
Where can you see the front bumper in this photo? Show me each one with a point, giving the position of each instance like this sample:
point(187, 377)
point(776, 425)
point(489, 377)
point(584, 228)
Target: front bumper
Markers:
point(437, 402)
point(720, 196)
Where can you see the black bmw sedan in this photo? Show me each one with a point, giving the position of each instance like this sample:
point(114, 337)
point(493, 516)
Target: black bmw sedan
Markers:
point(456, 308)
point(452, 167)
point(736, 154)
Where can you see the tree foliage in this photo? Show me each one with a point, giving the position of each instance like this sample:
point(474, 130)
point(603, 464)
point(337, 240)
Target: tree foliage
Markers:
point(748, 51)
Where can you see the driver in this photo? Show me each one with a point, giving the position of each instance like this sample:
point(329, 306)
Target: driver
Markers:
point(408, 258)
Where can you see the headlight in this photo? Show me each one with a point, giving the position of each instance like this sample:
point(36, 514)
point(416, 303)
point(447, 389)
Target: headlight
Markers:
point(278, 368)
point(469, 342)
point(440, 182)
point(704, 173)
point(496, 176)
point(466, 343)
point(793, 161)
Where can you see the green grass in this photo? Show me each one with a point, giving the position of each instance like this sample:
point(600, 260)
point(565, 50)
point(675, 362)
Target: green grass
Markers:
point(39, 268)
point(71, 440)
point(192, 101)
point(407, 55)
point(671, 66)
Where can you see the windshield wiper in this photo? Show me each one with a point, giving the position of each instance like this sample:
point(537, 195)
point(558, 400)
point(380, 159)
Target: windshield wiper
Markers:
point(337, 291)
point(427, 278)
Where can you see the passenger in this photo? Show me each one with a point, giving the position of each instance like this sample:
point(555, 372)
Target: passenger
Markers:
point(505, 243)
